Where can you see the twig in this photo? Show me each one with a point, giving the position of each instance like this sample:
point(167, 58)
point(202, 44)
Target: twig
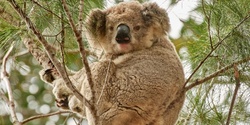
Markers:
point(42, 116)
point(208, 23)
point(237, 79)
point(215, 47)
point(80, 16)
point(4, 77)
point(198, 82)
point(78, 35)
point(48, 50)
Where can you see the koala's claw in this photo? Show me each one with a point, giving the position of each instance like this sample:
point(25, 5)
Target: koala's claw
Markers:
point(62, 103)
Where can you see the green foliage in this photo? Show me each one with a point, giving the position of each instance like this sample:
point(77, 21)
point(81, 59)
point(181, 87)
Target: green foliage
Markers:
point(226, 24)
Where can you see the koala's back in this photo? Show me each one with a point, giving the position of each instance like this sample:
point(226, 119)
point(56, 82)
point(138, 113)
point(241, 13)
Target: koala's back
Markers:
point(146, 82)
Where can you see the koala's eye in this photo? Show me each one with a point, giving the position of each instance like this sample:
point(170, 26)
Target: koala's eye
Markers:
point(111, 28)
point(137, 28)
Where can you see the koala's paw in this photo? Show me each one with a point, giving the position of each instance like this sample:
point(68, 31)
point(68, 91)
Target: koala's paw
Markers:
point(62, 94)
point(76, 106)
point(62, 103)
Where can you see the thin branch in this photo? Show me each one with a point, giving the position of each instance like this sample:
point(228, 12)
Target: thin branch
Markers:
point(216, 46)
point(78, 35)
point(237, 79)
point(80, 16)
point(208, 23)
point(215, 74)
point(4, 77)
point(48, 49)
point(18, 54)
point(44, 115)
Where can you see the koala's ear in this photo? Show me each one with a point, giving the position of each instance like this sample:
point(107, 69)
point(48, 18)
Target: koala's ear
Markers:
point(95, 22)
point(152, 13)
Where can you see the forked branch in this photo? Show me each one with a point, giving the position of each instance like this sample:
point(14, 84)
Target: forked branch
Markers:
point(78, 35)
point(48, 50)
point(215, 74)
point(216, 46)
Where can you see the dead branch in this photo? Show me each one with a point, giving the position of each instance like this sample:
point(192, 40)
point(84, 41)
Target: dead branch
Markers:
point(44, 115)
point(216, 46)
point(237, 79)
point(5, 78)
point(48, 50)
point(215, 74)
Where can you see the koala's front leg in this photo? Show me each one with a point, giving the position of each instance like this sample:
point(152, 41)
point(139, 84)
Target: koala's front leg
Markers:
point(64, 96)
point(62, 93)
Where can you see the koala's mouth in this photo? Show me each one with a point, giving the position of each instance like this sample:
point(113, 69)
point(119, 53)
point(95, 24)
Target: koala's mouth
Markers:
point(123, 34)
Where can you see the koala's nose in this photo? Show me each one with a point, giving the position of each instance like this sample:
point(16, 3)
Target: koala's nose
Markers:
point(123, 34)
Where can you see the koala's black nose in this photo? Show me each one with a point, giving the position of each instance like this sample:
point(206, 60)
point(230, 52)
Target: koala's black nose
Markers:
point(123, 34)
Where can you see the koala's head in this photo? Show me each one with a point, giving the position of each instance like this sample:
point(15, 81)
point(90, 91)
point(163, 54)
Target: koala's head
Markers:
point(126, 27)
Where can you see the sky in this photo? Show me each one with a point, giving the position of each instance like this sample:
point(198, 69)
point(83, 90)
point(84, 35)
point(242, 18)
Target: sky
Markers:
point(182, 10)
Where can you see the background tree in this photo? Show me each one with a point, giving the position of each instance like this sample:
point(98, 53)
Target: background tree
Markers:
point(215, 52)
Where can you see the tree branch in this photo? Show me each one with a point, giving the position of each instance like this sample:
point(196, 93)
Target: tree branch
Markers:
point(215, 74)
point(78, 35)
point(4, 77)
point(42, 116)
point(48, 50)
point(237, 79)
point(215, 47)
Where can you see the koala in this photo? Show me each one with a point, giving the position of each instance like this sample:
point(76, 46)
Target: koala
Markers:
point(139, 79)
